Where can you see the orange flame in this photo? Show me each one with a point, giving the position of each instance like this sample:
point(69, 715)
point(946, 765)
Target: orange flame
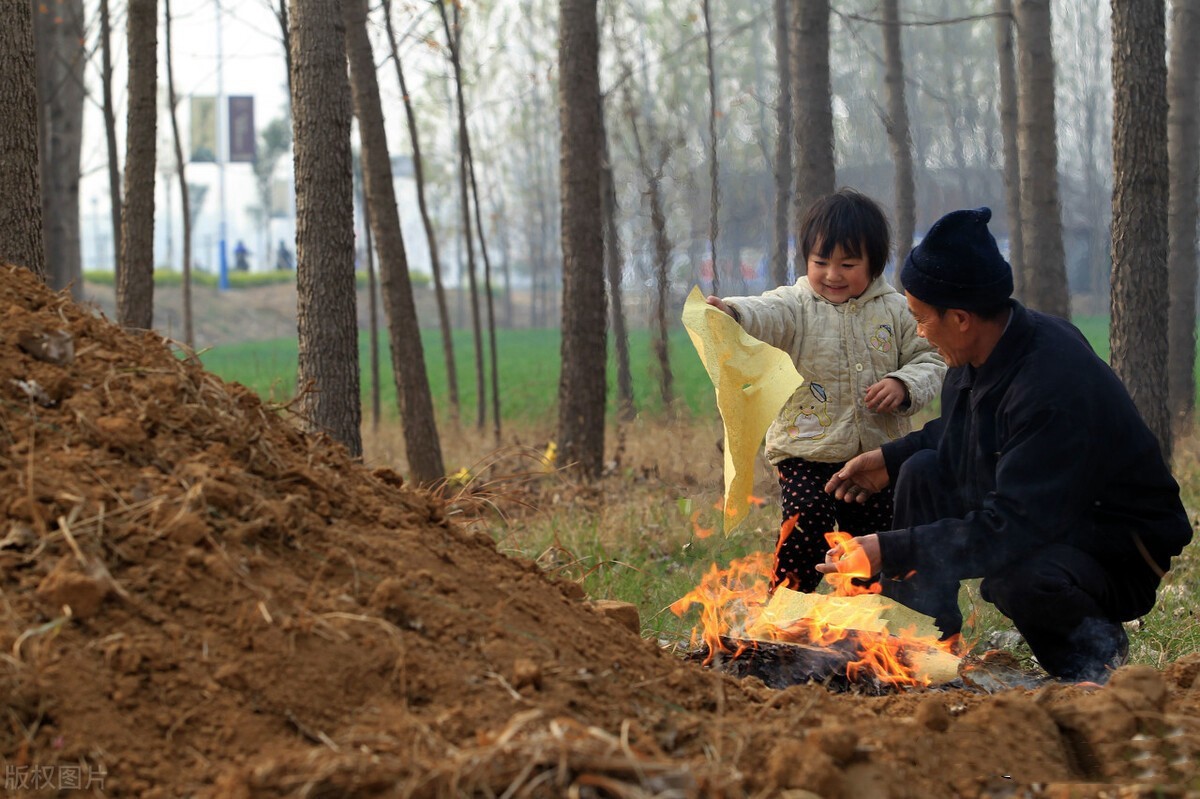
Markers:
point(733, 602)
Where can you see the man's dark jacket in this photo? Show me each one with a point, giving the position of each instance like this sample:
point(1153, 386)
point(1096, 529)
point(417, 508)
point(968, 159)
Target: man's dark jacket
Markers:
point(1044, 445)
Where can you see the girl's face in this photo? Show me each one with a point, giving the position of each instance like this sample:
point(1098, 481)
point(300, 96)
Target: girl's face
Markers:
point(840, 277)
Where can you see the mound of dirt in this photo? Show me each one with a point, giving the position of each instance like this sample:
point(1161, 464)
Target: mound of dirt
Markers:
point(199, 600)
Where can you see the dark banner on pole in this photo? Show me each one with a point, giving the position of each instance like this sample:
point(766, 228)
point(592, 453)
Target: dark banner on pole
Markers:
point(241, 129)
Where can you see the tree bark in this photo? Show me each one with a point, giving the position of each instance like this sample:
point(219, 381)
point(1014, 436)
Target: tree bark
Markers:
point(110, 132)
point(189, 336)
point(421, 440)
point(325, 285)
point(581, 388)
point(898, 134)
point(135, 280)
point(1008, 136)
point(783, 144)
point(1183, 152)
point(59, 44)
point(1041, 218)
point(812, 99)
point(1140, 192)
point(20, 183)
point(435, 262)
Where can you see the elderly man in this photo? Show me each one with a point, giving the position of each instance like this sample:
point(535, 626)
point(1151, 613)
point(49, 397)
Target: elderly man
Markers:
point(1040, 476)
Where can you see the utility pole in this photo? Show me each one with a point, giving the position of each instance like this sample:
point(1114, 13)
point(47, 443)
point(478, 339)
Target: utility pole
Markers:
point(222, 146)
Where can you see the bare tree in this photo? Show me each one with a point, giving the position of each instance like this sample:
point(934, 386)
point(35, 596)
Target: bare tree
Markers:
point(372, 287)
point(325, 285)
point(812, 101)
point(898, 133)
point(490, 303)
point(783, 144)
point(59, 45)
point(464, 157)
point(1041, 216)
point(110, 131)
point(189, 335)
point(581, 388)
point(422, 444)
point(714, 203)
point(20, 185)
point(614, 267)
point(435, 262)
point(1183, 141)
point(1140, 190)
point(1008, 135)
point(135, 280)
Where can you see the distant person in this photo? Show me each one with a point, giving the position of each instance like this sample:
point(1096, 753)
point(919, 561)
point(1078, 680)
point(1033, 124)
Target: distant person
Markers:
point(241, 257)
point(283, 257)
point(865, 369)
point(1040, 476)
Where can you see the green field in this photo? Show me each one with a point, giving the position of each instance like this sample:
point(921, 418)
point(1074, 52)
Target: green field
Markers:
point(528, 363)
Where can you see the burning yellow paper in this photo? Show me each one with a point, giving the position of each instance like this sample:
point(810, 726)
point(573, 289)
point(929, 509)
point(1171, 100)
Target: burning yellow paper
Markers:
point(752, 380)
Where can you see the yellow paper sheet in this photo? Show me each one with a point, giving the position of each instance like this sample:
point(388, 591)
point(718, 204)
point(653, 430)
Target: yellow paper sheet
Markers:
point(869, 613)
point(752, 380)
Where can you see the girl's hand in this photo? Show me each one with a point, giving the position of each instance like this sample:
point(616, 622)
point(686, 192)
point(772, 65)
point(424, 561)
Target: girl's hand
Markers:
point(720, 305)
point(887, 395)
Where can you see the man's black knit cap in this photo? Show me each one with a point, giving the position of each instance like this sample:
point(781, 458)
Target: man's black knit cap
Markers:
point(958, 265)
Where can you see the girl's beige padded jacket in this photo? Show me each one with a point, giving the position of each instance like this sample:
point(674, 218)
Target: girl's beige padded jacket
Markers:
point(840, 350)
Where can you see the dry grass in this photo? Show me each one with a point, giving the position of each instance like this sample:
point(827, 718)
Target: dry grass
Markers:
point(639, 535)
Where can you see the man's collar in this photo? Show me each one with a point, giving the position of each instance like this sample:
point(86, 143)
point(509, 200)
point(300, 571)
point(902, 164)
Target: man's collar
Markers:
point(1006, 354)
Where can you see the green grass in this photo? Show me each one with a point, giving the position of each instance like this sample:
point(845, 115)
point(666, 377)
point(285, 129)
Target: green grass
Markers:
point(528, 365)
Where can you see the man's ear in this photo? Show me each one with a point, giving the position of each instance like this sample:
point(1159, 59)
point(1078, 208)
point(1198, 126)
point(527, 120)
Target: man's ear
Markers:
point(960, 319)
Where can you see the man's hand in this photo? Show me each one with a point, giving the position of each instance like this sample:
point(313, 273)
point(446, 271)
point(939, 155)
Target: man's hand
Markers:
point(861, 477)
point(855, 557)
point(887, 395)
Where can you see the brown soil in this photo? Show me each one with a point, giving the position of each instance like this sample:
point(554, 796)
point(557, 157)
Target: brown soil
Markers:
point(202, 601)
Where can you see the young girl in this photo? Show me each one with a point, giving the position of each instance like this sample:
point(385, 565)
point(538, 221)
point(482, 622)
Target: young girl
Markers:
point(865, 372)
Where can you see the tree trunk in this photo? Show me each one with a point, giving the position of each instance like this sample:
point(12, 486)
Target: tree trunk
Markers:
point(615, 267)
point(783, 145)
point(812, 100)
point(281, 16)
point(491, 305)
point(1183, 141)
point(421, 441)
point(464, 158)
point(59, 44)
point(372, 288)
point(898, 134)
point(1046, 280)
point(581, 388)
point(20, 184)
point(1008, 135)
point(189, 336)
point(714, 203)
point(135, 280)
point(1140, 188)
point(326, 319)
point(110, 132)
point(435, 263)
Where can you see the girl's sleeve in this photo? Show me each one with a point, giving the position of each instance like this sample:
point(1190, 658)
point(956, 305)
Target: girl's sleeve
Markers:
point(773, 317)
point(921, 368)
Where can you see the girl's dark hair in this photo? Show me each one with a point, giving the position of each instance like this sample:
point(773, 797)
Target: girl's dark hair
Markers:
point(851, 220)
